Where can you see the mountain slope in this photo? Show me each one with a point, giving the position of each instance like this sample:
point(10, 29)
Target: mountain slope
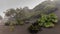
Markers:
point(45, 7)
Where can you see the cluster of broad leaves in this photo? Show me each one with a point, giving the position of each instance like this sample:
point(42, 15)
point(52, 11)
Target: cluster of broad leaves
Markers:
point(34, 28)
point(48, 20)
point(45, 20)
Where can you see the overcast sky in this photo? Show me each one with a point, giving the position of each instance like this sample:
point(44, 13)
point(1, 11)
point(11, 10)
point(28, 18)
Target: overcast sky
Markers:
point(7, 4)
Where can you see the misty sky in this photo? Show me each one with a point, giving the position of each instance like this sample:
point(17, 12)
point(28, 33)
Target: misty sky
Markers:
point(7, 4)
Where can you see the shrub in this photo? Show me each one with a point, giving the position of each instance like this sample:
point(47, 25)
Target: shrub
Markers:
point(34, 28)
point(12, 28)
point(48, 20)
point(7, 24)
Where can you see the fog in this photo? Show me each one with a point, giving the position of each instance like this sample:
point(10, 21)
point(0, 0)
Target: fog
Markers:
point(7, 4)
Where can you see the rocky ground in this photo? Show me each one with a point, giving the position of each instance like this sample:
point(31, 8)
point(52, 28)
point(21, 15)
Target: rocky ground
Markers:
point(23, 30)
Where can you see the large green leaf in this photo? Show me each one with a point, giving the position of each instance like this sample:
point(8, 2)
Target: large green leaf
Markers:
point(49, 24)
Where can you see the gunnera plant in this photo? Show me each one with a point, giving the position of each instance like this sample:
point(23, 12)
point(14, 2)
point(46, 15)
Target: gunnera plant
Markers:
point(48, 20)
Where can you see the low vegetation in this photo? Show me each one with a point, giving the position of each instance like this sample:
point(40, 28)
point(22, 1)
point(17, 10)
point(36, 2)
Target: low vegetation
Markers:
point(48, 20)
point(34, 28)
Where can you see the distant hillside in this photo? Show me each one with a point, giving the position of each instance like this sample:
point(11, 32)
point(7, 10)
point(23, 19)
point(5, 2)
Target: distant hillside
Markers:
point(46, 4)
